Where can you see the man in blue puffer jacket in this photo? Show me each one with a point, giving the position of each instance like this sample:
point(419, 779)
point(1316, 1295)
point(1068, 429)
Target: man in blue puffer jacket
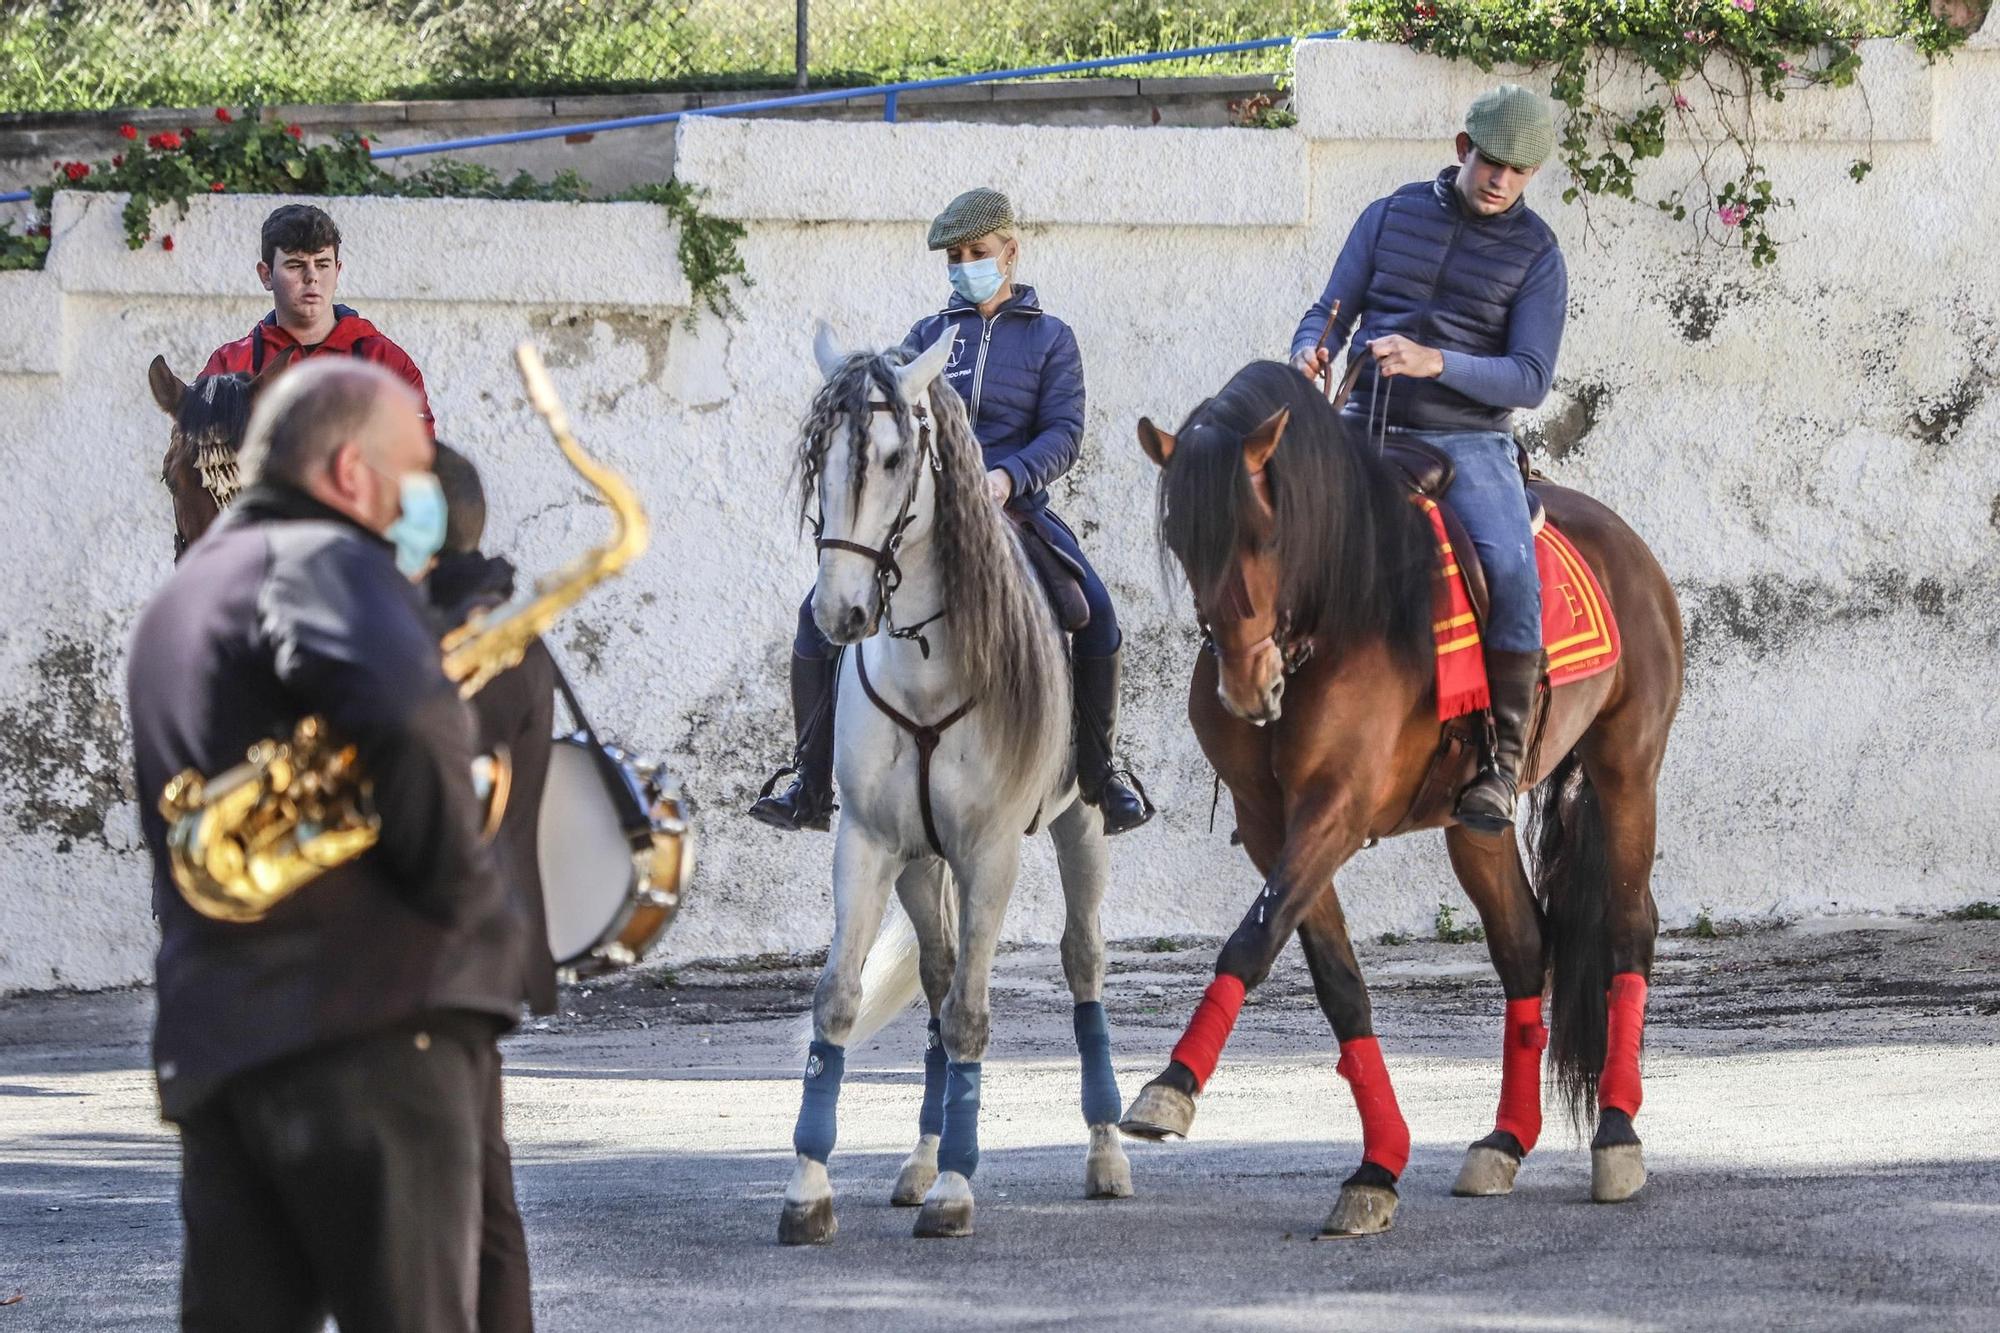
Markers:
point(1461, 291)
point(1021, 376)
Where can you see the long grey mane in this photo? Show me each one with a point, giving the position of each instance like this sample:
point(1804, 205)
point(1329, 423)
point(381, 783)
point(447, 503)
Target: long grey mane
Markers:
point(1004, 645)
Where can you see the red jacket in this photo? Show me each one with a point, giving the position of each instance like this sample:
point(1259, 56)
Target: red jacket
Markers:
point(352, 336)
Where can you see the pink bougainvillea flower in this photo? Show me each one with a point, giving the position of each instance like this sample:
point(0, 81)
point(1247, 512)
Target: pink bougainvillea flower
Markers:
point(1681, 103)
point(1786, 66)
point(1732, 214)
point(1747, 6)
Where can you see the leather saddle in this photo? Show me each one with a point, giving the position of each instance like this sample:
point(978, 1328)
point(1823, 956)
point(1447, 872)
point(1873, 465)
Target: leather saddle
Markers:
point(1060, 575)
point(1430, 473)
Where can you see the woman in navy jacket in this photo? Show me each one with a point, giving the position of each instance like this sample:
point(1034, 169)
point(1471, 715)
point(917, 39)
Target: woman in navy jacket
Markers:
point(1021, 376)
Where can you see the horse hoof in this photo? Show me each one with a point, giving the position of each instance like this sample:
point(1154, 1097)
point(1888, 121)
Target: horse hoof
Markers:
point(1158, 1112)
point(1487, 1172)
point(1616, 1172)
point(943, 1218)
point(1363, 1210)
point(1106, 1172)
point(913, 1183)
point(807, 1223)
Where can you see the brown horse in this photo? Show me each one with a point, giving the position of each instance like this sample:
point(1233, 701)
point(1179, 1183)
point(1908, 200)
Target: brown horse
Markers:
point(1312, 570)
point(210, 418)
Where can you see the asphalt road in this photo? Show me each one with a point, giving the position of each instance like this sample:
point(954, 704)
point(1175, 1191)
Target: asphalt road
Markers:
point(1822, 1121)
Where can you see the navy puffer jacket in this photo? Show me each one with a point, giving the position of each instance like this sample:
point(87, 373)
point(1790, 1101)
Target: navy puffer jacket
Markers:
point(1021, 377)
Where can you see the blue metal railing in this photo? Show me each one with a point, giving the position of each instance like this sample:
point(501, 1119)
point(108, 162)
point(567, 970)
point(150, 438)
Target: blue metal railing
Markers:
point(888, 92)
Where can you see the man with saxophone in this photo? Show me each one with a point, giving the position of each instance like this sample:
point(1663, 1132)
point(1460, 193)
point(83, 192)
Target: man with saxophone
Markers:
point(329, 1065)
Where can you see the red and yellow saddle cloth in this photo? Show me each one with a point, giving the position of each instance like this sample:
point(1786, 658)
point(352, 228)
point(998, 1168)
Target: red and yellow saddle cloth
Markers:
point(1577, 626)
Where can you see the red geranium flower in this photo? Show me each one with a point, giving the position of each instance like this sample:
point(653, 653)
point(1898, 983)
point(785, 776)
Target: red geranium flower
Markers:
point(295, 131)
point(166, 141)
point(364, 145)
point(118, 161)
point(166, 242)
point(222, 114)
point(128, 131)
point(76, 171)
point(216, 187)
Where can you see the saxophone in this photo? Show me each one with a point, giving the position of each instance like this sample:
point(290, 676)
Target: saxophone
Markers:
point(245, 840)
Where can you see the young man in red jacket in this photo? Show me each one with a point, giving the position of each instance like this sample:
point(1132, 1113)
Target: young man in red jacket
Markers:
point(301, 268)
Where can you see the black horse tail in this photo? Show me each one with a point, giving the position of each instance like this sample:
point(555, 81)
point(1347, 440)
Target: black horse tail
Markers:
point(1572, 880)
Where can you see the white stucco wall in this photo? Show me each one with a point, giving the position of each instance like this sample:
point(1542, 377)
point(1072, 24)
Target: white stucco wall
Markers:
point(1810, 448)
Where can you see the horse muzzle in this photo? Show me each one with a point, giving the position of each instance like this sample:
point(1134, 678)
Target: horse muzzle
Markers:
point(1252, 683)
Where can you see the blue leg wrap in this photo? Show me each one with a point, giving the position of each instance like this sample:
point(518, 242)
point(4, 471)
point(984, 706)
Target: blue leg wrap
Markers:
point(959, 1149)
point(930, 1120)
point(813, 1135)
point(1101, 1103)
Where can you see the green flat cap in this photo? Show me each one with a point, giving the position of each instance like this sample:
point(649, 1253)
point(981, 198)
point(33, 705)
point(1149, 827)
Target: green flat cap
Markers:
point(1512, 125)
point(974, 214)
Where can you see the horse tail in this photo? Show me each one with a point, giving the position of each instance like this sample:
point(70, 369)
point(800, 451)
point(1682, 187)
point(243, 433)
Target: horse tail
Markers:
point(889, 977)
point(1572, 880)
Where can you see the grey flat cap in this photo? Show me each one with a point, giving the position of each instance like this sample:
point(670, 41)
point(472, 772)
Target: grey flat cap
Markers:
point(1513, 126)
point(974, 214)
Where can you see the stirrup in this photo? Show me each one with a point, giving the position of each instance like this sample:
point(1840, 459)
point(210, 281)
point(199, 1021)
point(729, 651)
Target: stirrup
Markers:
point(1131, 780)
point(1486, 821)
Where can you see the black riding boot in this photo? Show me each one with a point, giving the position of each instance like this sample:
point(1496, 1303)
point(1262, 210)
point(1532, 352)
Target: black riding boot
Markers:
point(807, 802)
point(1096, 686)
point(1487, 803)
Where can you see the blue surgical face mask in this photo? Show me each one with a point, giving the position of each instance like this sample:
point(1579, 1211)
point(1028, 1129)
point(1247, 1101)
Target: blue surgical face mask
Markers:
point(976, 281)
point(418, 531)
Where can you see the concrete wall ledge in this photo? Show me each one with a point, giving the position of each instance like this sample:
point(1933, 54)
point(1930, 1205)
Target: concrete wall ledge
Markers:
point(890, 173)
point(394, 249)
point(1364, 90)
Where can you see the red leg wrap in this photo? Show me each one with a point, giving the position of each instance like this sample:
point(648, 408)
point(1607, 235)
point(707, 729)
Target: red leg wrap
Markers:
point(1201, 1045)
point(1521, 1046)
point(1619, 1085)
point(1385, 1139)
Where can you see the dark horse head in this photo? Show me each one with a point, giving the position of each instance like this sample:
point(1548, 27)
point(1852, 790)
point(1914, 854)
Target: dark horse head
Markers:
point(1294, 537)
point(210, 418)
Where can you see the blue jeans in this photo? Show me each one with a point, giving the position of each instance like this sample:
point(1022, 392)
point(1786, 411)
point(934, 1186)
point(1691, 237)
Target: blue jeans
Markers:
point(1100, 638)
point(1488, 497)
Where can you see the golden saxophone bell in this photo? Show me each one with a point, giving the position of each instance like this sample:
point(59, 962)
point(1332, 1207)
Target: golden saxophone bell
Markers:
point(245, 840)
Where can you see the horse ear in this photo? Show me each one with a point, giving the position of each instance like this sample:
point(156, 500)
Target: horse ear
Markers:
point(1261, 443)
point(167, 387)
point(916, 375)
point(1158, 444)
point(830, 358)
point(272, 369)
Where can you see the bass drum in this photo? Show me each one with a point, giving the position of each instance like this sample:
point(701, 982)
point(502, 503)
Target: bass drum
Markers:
point(616, 856)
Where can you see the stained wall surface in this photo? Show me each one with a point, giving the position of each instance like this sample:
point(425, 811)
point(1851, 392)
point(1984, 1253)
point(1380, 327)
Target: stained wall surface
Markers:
point(1810, 448)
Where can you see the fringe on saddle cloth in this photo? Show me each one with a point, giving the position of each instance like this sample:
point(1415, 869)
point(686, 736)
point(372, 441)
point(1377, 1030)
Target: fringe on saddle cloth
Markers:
point(1577, 625)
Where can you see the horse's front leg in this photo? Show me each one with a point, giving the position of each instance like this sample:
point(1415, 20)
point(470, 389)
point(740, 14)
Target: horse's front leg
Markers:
point(1326, 824)
point(985, 876)
point(1368, 1198)
point(1078, 833)
point(862, 869)
point(922, 888)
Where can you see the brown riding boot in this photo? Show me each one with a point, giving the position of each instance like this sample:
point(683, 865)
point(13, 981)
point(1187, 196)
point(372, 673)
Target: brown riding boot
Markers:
point(1487, 803)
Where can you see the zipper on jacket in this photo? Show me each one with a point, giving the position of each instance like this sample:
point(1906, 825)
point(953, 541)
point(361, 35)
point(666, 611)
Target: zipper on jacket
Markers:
point(979, 366)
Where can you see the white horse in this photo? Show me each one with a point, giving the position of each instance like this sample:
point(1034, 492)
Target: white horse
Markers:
point(952, 739)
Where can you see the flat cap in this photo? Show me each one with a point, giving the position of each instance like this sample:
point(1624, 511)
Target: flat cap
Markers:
point(1512, 125)
point(974, 214)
